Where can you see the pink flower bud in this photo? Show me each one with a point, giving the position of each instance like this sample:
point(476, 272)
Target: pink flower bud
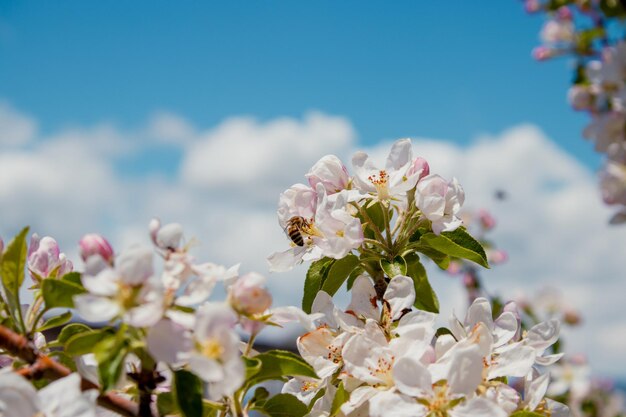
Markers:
point(94, 244)
point(497, 256)
point(248, 294)
point(543, 53)
point(564, 13)
point(45, 259)
point(487, 221)
point(331, 173)
point(532, 6)
point(419, 164)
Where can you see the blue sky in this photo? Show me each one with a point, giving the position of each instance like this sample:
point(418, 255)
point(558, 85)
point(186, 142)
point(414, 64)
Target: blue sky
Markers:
point(402, 68)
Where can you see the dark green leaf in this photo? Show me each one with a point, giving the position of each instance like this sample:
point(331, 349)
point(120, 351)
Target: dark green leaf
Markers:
point(425, 297)
point(313, 283)
point(188, 393)
point(375, 213)
point(459, 244)
point(353, 276)
point(166, 404)
point(341, 396)
point(12, 267)
point(84, 342)
point(395, 267)
point(56, 321)
point(278, 364)
point(73, 277)
point(60, 293)
point(283, 405)
point(339, 271)
point(441, 259)
point(110, 353)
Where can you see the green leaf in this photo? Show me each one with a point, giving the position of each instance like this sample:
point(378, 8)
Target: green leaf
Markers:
point(425, 297)
point(278, 364)
point(253, 366)
point(441, 259)
point(60, 293)
point(188, 393)
point(72, 330)
point(375, 213)
point(395, 267)
point(84, 342)
point(12, 272)
point(283, 405)
point(458, 244)
point(64, 359)
point(110, 353)
point(166, 404)
point(73, 277)
point(353, 276)
point(523, 413)
point(314, 278)
point(339, 272)
point(341, 396)
point(55, 321)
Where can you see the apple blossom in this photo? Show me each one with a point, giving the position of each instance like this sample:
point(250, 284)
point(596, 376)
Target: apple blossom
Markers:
point(61, 398)
point(440, 202)
point(129, 291)
point(331, 173)
point(93, 244)
point(400, 174)
point(248, 294)
point(45, 259)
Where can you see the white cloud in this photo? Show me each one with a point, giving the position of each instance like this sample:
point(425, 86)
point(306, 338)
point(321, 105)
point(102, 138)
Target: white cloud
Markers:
point(16, 129)
point(553, 223)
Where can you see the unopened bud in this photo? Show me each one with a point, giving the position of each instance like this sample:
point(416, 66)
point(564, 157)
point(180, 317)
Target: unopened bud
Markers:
point(419, 164)
point(487, 221)
point(248, 294)
point(564, 13)
point(532, 6)
point(543, 53)
point(94, 244)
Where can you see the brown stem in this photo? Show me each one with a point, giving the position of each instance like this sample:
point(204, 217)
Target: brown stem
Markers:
point(42, 366)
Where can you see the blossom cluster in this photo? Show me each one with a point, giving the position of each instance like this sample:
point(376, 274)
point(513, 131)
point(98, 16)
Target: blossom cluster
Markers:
point(587, 31)
point(391, 360)
point(327, 217)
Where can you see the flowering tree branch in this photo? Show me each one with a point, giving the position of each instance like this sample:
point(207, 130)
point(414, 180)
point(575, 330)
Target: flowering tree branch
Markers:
point(42, 366)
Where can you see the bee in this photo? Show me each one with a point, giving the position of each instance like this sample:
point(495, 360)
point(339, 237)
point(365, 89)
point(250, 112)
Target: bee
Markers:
point(294, 229)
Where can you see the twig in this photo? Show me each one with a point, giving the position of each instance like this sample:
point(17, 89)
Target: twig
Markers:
point(42, 366)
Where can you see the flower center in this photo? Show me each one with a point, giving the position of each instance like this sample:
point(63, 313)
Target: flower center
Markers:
point(126, 295)
point(382, 370)
point(309, 386)
point(334, 353)
point(211, 349)
point(380, 181)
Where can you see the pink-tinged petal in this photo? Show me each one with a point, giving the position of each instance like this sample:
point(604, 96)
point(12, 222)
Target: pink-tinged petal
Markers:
point(18, 398)
point(412, 378)
point(535, 389)
point(331, 173)
point(386, 403)
point(400, 295)
point(298, 200)
point(478, 407)
point(94, 244)
point(167, 340)
point(95, 309)
point(465, 372)
point(400, 155)
point(285, 261)
point(514, 360)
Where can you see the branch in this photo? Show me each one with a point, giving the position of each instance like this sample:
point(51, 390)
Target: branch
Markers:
point(42, 366)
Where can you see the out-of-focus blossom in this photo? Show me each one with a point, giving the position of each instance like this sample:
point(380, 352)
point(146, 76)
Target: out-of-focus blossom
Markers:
point(128, 291)
point(248, 294)
point(94, 244)
point(557, 31)
point(613, 183)
point(61, 398)
point(45, 259)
